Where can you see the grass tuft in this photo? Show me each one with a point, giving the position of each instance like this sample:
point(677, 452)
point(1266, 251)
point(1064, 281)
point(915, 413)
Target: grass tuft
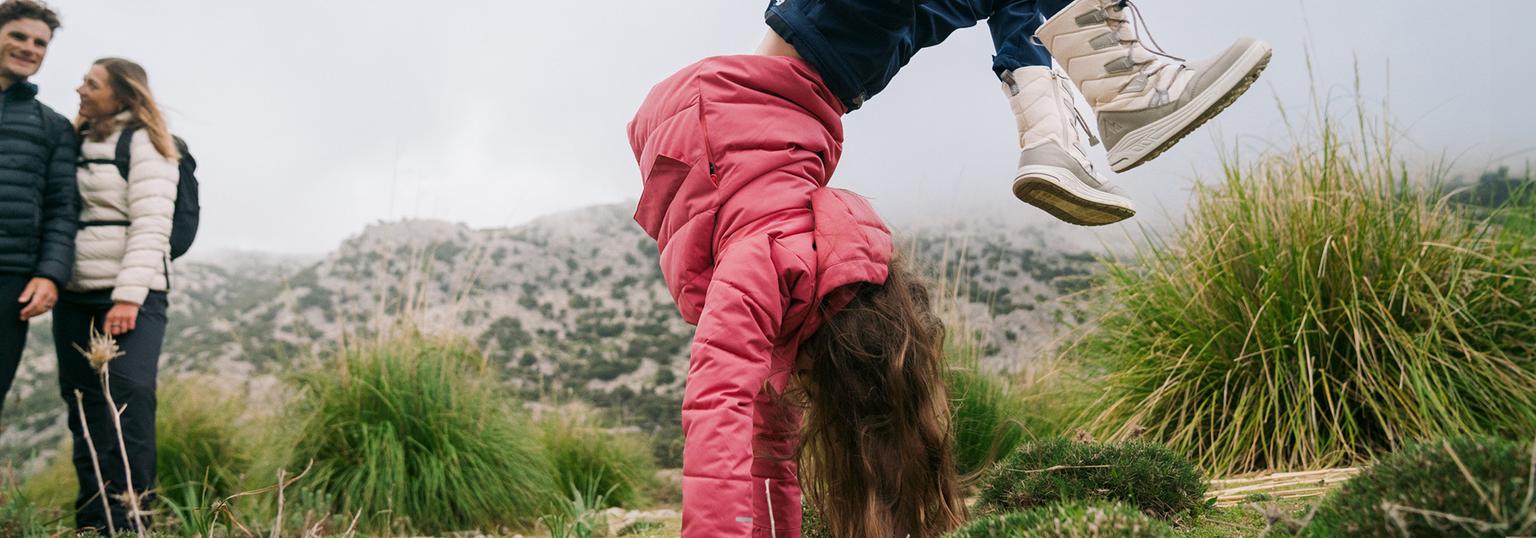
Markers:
point(1321, 306)
point(203, 449)
point(585, 456)
point(412, 433)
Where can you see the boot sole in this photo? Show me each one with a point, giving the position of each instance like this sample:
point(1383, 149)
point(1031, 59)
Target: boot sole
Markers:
point(1149, 134)
point(1053, 190)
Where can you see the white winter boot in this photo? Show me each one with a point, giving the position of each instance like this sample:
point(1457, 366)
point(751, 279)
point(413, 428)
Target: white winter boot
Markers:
point(1054, 172)
point(1146, 101)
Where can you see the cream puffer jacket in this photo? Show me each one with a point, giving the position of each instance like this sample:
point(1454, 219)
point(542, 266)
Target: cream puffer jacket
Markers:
point(134, 259)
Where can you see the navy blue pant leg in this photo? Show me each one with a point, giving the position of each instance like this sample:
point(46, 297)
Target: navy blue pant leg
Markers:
point(13, 331)
point(858, 46)
point(133, 386)
point(1013, 24)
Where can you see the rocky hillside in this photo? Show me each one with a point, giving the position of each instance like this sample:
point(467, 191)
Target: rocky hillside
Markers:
point(569, 306)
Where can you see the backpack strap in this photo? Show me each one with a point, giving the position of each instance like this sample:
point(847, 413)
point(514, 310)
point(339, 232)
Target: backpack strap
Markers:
point(124, 156)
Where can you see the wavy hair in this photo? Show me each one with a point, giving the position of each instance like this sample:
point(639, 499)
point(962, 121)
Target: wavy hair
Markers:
point(12, 10)
point(130, 84)
point(877, 447)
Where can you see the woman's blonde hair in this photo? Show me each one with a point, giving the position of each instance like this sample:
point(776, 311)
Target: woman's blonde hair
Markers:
point(130, 84)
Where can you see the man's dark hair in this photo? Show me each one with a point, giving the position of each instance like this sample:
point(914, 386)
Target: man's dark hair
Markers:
point(12, 10)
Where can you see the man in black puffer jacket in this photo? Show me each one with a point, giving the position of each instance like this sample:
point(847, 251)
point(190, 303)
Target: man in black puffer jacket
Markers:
point(39, 203)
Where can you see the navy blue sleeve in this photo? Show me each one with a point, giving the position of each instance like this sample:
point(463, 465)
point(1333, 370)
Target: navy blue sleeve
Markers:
point(61, 205)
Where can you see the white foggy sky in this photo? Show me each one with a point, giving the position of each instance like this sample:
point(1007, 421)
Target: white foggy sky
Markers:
point(311, 119)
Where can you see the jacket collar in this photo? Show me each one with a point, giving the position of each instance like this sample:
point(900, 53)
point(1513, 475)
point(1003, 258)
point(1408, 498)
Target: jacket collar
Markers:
point(22, 89)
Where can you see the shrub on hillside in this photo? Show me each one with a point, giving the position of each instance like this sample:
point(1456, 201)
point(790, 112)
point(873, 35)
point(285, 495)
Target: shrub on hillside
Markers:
point(585, 457)
point(1499, 188)
point(412, 433)
point(1318, 307)
point(1145, 475)
point(1068, 520)
point(1463, 487)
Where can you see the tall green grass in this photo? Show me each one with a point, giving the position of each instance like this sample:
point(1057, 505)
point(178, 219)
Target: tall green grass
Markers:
point(23, 515)
point(992, 413)
point(614, 469)
point(1320, 306)
point(412, 433)
point(989, 420)
point(53, 487)
point(204, 449)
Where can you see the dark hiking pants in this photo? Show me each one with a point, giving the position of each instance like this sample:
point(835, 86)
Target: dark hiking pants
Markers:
point(132, 380)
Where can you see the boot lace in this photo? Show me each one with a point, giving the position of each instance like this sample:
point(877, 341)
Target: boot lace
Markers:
point(1139, 24)
point(1152, 70)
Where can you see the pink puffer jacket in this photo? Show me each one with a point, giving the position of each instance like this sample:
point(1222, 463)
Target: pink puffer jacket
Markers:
point(736, 153)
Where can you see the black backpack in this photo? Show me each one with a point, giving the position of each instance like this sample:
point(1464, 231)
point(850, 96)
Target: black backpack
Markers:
point(184, 222)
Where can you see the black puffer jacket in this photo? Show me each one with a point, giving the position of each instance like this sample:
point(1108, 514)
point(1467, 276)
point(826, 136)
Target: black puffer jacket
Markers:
point(39, 202)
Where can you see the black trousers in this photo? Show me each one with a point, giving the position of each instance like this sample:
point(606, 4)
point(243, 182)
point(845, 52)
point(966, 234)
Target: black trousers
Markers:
point(132, 380)
point(13, 331)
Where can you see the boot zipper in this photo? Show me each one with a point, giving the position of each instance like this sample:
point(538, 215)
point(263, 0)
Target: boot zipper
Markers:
point(1071, 105)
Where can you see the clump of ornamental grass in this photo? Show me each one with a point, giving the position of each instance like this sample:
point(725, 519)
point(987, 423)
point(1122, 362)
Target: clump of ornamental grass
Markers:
point(204, 448)
point(1068, 520)
point(1321, 305)
point(1470, 487)
point(988, 419)
point(412, 433)
point(613, 468)
point(1145, 475)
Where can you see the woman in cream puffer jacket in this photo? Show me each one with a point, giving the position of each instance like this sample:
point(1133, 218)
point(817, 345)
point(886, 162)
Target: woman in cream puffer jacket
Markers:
point(130, 259)
point(122, 273)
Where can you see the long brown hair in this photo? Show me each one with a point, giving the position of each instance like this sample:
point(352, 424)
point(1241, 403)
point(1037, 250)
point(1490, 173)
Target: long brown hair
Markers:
point(130, 83)
point(877, 445)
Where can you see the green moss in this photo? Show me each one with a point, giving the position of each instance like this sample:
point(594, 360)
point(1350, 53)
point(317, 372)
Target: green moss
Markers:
point(1145, 475)
point(1069, 520)
point(1462, 487)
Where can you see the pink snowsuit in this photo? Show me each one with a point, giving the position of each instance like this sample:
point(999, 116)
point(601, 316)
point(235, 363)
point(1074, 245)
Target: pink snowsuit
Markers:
point(736, 152)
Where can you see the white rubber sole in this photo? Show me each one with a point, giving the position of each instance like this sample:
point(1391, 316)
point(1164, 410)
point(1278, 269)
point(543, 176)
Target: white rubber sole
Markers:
point(1151, 140)
point(1055, 190)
